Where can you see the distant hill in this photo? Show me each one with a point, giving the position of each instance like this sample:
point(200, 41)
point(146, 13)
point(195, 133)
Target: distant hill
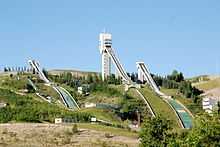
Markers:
point(206, 82)
point(74, 72)
point(209, 84)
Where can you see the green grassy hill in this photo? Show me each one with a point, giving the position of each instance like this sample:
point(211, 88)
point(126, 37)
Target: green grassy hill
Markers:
point(12, 91)
point(211, 84)
point(73, 72)
point(159, 106)
point(13, 82)
point(35, 109)
point(27, 109)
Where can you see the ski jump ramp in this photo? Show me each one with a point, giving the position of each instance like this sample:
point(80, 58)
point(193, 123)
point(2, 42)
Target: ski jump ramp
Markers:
point(36, 66)
point(108, 55)
point(118, 66)
point(142, 69)
point(183, 114)
point(125, 78)
point(66, 97)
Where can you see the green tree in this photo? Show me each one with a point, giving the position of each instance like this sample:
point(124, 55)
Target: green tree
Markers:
point(188, 91)
point(90, 78)
point(155, 132)
point(176, 76)
point(180, 77)
point(30, 88)
point(205, 132)
point(5, 69)
point(68, 77)
point(75, 129)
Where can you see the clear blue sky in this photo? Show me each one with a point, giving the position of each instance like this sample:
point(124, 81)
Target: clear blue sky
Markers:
point(165, 34)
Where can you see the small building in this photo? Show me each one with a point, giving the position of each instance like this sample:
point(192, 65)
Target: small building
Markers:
point(93, 119)
point(90, 105)
point(209, 104)
point(2, 105)
point(80, 90)
point(58, 120)
point(134, 126)
point(84, 89)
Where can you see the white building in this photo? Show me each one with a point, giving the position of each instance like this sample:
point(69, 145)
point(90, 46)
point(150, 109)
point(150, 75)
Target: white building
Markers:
point(209, 104)
point(84, 89)
point(105, 41)
point(80, 90)
point(58, 120)
point(93, 119)
point(90, 105)
point(2, 105)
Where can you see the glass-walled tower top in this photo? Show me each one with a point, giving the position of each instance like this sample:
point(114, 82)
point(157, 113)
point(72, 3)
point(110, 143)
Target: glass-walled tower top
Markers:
point(105, 41)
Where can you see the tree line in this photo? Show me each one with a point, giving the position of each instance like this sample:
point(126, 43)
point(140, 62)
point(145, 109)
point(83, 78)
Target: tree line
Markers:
point(75, 81)
point(177, 81)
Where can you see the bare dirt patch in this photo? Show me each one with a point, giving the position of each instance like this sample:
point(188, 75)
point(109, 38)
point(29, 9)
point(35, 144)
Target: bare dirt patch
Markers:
point(51, 135)
point(212, 92)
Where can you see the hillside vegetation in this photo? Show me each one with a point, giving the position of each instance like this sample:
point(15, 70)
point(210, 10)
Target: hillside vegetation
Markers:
point(115, 110)
point(211, 84)
point(160, 106)
point(105, 94)
point(26, 106)
point(27, 109)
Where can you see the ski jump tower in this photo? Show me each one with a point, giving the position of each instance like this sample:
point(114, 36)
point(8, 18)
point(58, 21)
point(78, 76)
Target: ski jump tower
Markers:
point(108, 57)
point(105, 41)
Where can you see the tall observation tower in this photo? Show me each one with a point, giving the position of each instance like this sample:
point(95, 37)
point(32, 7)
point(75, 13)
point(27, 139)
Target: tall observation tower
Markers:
point(105, 41)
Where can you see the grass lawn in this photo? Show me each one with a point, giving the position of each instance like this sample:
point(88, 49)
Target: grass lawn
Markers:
point(160, 106)
point(103, 115)
point(14, 83)
point(119, 88)
point(108, 129)
point(104, 97)
point(100, 97)
point(132, 92)
point(48, 90)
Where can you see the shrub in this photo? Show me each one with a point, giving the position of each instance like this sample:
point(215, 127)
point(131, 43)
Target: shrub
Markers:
point(75, 129)
point(108, 135)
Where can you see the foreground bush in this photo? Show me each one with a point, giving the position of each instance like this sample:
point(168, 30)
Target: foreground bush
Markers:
point(157, 132)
